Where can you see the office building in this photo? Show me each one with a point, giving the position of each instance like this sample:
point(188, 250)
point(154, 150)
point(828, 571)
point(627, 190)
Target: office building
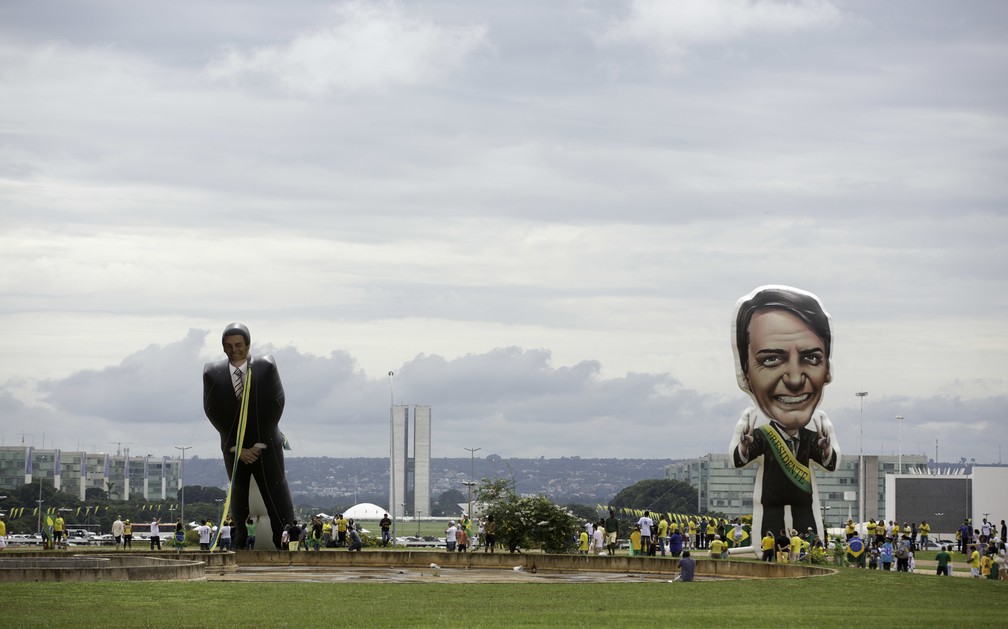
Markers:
point(421, 461)
point(403, 468)
point(121, 477)
point(722, 488)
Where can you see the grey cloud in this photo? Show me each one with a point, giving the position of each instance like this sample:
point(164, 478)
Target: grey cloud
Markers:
point(146, 388)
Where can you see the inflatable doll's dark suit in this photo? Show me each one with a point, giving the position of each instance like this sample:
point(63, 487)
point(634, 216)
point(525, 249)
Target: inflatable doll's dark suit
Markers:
point(265, 406)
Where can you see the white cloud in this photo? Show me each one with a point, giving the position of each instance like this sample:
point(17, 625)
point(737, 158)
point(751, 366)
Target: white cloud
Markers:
point(675, 26)
point(603, 222)
point(370, 45)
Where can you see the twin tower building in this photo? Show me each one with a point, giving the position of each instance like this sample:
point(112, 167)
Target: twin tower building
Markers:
point(403, 467)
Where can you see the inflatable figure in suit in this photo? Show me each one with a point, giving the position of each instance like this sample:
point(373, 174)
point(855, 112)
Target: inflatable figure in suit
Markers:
point(261, 450)
point(782, 340)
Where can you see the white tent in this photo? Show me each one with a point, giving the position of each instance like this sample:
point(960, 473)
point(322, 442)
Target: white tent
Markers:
point(365, 511)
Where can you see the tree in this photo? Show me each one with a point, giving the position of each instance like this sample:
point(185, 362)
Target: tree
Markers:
point(659, 495)
point(199, 493)
point(95, 493)
point(527, 522)
point(584, 513)
point(447, 504)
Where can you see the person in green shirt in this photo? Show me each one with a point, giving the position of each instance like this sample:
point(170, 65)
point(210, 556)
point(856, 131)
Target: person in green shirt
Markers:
point(612, 531)
point(944, 560)
point(250, 525)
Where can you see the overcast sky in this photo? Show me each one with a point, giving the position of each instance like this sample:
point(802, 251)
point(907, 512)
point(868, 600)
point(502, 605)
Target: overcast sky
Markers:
point(539, 215)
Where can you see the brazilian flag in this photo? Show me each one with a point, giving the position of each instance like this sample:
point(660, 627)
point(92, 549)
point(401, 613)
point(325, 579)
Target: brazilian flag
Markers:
point(855, 547)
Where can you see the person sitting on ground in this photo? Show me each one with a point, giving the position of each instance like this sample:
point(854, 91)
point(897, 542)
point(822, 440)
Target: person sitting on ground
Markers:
point(687, 567)
point(355, 542)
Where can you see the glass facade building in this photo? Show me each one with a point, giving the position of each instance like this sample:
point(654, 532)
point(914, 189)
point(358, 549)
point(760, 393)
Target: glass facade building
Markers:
point(121, 477)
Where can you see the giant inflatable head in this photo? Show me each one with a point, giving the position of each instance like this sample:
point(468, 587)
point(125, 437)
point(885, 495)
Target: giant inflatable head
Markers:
point(782, 339)
point(239, 329)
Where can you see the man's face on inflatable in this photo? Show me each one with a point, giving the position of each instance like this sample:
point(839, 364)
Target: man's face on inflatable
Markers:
point(787, 367)
point(236, 349)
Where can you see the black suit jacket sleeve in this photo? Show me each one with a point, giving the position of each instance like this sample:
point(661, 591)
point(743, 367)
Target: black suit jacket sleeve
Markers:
point(266, 403)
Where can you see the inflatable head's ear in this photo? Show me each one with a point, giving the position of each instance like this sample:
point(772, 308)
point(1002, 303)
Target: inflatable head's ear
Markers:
point(801, 304)
point(237, 328)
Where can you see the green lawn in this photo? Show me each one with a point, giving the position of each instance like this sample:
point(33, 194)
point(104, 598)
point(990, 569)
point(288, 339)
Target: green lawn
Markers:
point(851, 598)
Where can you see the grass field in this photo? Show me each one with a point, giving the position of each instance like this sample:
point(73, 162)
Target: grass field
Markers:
point(851, 598)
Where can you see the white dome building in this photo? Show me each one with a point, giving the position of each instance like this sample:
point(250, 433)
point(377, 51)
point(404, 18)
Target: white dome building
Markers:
point(365, 511)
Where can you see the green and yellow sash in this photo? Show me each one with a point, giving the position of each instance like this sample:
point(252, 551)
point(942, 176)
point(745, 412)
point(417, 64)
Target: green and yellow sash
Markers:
point(797, 473)
point(242, 423)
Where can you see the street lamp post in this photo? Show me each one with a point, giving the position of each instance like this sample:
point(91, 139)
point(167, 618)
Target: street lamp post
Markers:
point(470, 485)
point(472, 473)
point(392, 448)
point(40, 503)
point(181, 475)
point(899, 438)
point(862, 506)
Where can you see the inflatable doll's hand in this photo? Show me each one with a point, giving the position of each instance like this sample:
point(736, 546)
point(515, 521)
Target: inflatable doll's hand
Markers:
point(826, 435)
point(744, 430)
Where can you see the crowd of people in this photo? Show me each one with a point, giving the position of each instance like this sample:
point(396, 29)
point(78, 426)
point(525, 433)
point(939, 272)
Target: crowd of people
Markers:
point(887, 544)
point(461, 537)
point(320, 532)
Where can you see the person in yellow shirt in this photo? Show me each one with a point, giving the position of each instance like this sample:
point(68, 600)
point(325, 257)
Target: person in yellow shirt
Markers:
point(58, 527)
point(663, 532)
point(3, 532)
point(974, 561)
point(768, 546)
point(711, 529)
point(327, 533)
point(635, 542)
point(796, 543)
point(583, 543)
point(717, 548)
point(341, 530)
point(985, 566)
point(850, 529)
point(925, 531)
point(694, 536)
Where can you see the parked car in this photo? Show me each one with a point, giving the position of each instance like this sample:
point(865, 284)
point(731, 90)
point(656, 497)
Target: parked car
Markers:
point(103, 540)
point(78, 537)
point(427, 541)
point(24, 539)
